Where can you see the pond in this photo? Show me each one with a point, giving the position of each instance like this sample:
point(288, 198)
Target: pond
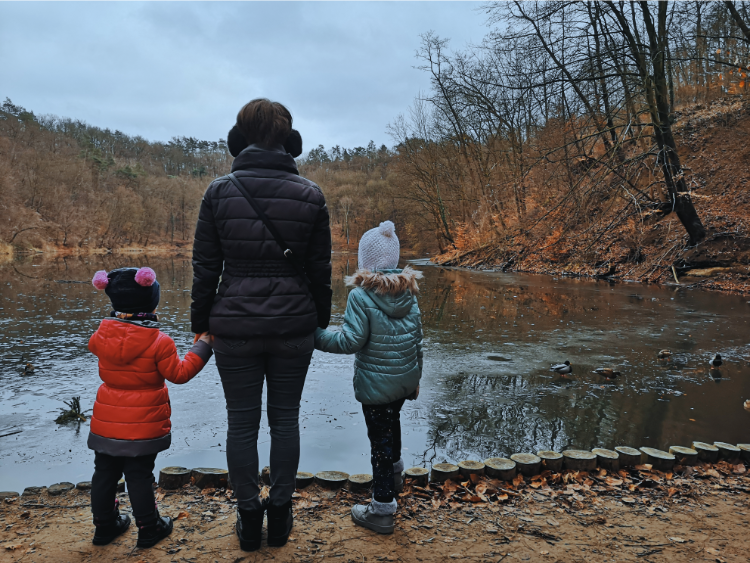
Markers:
point(486, 391)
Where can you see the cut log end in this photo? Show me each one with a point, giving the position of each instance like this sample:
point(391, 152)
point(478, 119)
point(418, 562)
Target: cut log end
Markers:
point(265, 475)
point(33, 491)
point(304, 479)
point(658, 459)
point(579, 460)
point(527, 465)
point(173, 477)
point(500, 468)
point(607, 459)
point(706, 452)
point(684, 456)
point(468, 468)
point(441, 472)
point(728, 452)
point(360, 482)
point(551, 460)
point(331, 480)
point(628, 456)
point(209, 478)
point(418, 475)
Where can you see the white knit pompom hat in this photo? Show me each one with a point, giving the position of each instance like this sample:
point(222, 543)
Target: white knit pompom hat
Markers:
point(379, 248)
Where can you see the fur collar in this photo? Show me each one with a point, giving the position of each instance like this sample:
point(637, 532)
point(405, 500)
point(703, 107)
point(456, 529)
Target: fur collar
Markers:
point(388, 282)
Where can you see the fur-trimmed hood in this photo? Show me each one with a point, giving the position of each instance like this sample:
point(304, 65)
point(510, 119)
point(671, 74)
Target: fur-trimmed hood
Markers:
point(386, 282)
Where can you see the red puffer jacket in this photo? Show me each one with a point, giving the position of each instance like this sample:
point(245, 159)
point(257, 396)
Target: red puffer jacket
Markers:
point(131, 412)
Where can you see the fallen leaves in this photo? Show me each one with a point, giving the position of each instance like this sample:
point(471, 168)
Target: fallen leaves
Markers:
point(182, 515)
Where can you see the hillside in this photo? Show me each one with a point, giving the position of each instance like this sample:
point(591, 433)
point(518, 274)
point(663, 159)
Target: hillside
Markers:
point(714, 143)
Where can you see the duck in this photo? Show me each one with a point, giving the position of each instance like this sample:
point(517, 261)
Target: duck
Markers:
point(28, 369)
point(715, 361)
point(564, 367)
point(747, 404)
point(664, 354)
point(609, 373)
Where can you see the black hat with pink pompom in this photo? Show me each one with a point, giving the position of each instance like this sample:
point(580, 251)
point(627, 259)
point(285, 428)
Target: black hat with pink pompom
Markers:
point(131, 290)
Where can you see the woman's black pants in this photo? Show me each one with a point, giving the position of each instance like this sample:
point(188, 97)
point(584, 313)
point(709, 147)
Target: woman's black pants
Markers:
point(243, 365)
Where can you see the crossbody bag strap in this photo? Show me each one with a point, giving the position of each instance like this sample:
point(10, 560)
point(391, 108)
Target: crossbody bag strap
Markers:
point(288, 254)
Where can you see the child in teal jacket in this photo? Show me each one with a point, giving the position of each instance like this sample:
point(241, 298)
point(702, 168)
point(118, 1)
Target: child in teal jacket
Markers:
point(383, 328)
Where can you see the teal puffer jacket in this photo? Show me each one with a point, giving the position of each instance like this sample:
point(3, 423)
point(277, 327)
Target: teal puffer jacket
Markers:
point(383, 327)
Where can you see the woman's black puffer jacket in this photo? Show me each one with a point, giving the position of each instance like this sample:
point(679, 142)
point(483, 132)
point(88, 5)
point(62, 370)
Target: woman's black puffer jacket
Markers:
point(260, 294)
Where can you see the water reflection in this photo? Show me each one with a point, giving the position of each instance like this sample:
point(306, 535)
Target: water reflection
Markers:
point(490, 339)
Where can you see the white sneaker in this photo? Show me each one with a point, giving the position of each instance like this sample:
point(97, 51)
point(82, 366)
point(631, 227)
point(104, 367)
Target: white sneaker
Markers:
point(362, 515)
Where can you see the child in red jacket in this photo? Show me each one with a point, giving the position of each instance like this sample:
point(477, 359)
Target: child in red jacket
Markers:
point(130, 423)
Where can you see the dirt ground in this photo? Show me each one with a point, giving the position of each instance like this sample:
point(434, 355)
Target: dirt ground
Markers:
point(693, 514)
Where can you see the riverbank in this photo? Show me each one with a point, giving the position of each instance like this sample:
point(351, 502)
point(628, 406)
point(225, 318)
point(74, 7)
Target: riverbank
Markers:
point(695, 513)
point(181, 248)
point(646, 243)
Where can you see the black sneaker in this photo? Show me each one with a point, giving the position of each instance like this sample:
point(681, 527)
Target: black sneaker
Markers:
point(280, 521)
point(250, 528)
point(153, 530)
point(109, 528)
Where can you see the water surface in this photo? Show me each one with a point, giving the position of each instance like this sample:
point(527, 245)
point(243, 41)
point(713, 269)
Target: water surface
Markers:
point(486, 390)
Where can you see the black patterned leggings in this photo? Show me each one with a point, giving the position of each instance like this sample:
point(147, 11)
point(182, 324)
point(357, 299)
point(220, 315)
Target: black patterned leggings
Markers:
point(384, 430)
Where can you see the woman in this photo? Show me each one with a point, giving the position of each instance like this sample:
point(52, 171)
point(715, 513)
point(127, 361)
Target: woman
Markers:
point(263, 314)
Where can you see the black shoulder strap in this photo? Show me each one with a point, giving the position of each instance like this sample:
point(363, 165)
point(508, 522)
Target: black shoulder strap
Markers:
point(271, 227)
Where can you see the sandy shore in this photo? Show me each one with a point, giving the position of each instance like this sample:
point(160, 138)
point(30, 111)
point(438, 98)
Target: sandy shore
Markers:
point(693, 514)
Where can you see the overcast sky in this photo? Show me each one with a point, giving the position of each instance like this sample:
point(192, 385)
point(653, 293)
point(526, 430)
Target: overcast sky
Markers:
point(345, 70)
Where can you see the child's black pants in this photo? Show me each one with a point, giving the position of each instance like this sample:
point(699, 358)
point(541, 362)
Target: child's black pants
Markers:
point(384, 430)
point(139, 476)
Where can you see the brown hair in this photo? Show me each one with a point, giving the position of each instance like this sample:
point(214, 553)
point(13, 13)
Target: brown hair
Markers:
point(264, 122)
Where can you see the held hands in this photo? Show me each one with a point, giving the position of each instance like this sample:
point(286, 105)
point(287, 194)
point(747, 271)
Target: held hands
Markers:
point(416, 393)
point(203, 337)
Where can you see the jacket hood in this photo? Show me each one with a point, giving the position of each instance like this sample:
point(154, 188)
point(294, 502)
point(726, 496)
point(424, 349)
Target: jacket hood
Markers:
point(274, 158)
point(121, 341)
point(393, 291)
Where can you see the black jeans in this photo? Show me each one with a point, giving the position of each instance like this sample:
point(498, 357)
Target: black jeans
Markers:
point(384, 431)
point(242, 367)
point(139, 476)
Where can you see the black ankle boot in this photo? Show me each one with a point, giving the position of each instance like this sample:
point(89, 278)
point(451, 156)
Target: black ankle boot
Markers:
point(250, 528)
point(153, 529)
point(110, 527)
point(280, 521)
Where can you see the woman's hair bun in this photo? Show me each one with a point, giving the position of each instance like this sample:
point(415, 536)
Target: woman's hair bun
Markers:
point(293, 143)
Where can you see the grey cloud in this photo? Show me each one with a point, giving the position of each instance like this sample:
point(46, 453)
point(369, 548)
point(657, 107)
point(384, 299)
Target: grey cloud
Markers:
point(165, 69)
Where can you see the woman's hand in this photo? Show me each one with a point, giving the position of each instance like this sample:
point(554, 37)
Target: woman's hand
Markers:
point(202, 336)
point(416, 393)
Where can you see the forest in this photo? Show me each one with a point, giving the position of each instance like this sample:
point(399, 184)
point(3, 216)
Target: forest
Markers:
point(604, 139)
